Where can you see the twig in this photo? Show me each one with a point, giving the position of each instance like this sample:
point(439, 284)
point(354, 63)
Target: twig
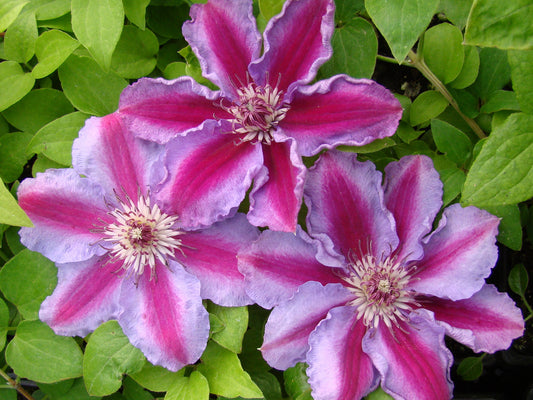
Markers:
point(16, 385)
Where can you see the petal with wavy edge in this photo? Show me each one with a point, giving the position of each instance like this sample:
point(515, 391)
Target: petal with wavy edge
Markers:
point(86, 295)
point(164, 317)
point(488, 321)
point(297, 43)
point(340, 110)
point(277, 263)
point(64, 209)
point(276, 198)
point(159, 110)
point(107, 153)
point(413, 193)
point(290, 323)
point(459, 255)
point(209, 175)
point(211, 256)
point(346, 209)
point(338, 367)
point(413, 361)
point(224, 37)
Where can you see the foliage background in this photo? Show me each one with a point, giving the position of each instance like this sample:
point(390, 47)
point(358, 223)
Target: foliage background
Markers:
point(463, 71)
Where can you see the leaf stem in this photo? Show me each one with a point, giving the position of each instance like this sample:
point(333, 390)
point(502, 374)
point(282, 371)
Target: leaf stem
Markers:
point(420, 65)
point(15, 385)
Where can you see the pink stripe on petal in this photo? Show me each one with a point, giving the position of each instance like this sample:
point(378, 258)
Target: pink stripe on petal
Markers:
point(158, 109)
point(297, 43)
point(488, 321)
point(413, 361)
point(164, 317)
point(225, 39)
point(338, 367)
point(340, 110)
point(413, 193)
point(64, 209)
point(86, 296)
point(290, 323)
point(276, 202)
point(345, 202)
point(459, 255)
point(278, 263)
point(209, 176)
point(211, 256)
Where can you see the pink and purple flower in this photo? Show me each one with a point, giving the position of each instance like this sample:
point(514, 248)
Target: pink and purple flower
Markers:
point(368, 296)
point(265, 116)
point(112, 225)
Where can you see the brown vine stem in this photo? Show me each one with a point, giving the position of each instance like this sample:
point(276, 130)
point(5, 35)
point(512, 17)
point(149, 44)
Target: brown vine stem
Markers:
point(16, 385)
point(419, 64)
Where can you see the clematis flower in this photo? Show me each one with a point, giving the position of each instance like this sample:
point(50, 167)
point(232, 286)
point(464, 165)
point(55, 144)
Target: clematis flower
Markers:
point(123, 252)
point(367, 297)
point(265, 115)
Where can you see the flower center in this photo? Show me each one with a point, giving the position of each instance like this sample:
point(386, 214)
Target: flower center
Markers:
point(257, 113)
point(380, 290)
point(140, 235)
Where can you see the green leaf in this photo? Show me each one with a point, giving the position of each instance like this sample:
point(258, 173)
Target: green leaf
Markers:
point(37, 353)
point(54, 140)
point(9, 11)
point(42, 164)
point(14, 83)
point(13, 240)
point(345, 10)
point(155, 378)
point(167, 20)
point(521, 63)
point(175, 70)
point(426, 106)
point(57, 389)
point(452, 178)
point(378, 394)
point(4, 321)
point(52, 49)
point(133, 391)
point(355, 47)
point(19, 41)
point(50, 9)
point(28, 296)
point(443, 51)
point(401, 21)
point(269, 8)
point(510, 229)
point(235, 324)
point(376, 145)
point(88, 87)
point(518, 279)
point(295, 380)
point(38, 108)
point(456, 11)
point(470, 368)
point(225, 375)
point(136, 11)
point(135, 54)
point(470, 69)
point(98, 25)
point(501, 100)
point(494, 72)
point(502, 173)
point(406, 132)
point(193, 387)
point(268, 384)
point(13, 155)
point(451, 141)
point(502, 24)
point(10, 212)
point(108, 355)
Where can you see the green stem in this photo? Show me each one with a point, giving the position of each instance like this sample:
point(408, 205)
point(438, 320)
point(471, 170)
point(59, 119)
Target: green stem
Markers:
point(420, 65)
point(528, 308)
point(14, 384)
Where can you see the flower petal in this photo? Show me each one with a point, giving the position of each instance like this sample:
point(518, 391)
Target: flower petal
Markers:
point(158, 109)
point(164, 317)
point(345, 202)
point(86, 295)
point(107, 153)
point(340, 110)
point(488, 321)
point(209, 175)
point(297, 43)
point(338, 367)
point(459, 255)
point(63, 208)
point(211, 256)
point(413, 193)
point(276, 198)
point(225, 39)
point(277, 263)
point(290, 323)
point(414, 362)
